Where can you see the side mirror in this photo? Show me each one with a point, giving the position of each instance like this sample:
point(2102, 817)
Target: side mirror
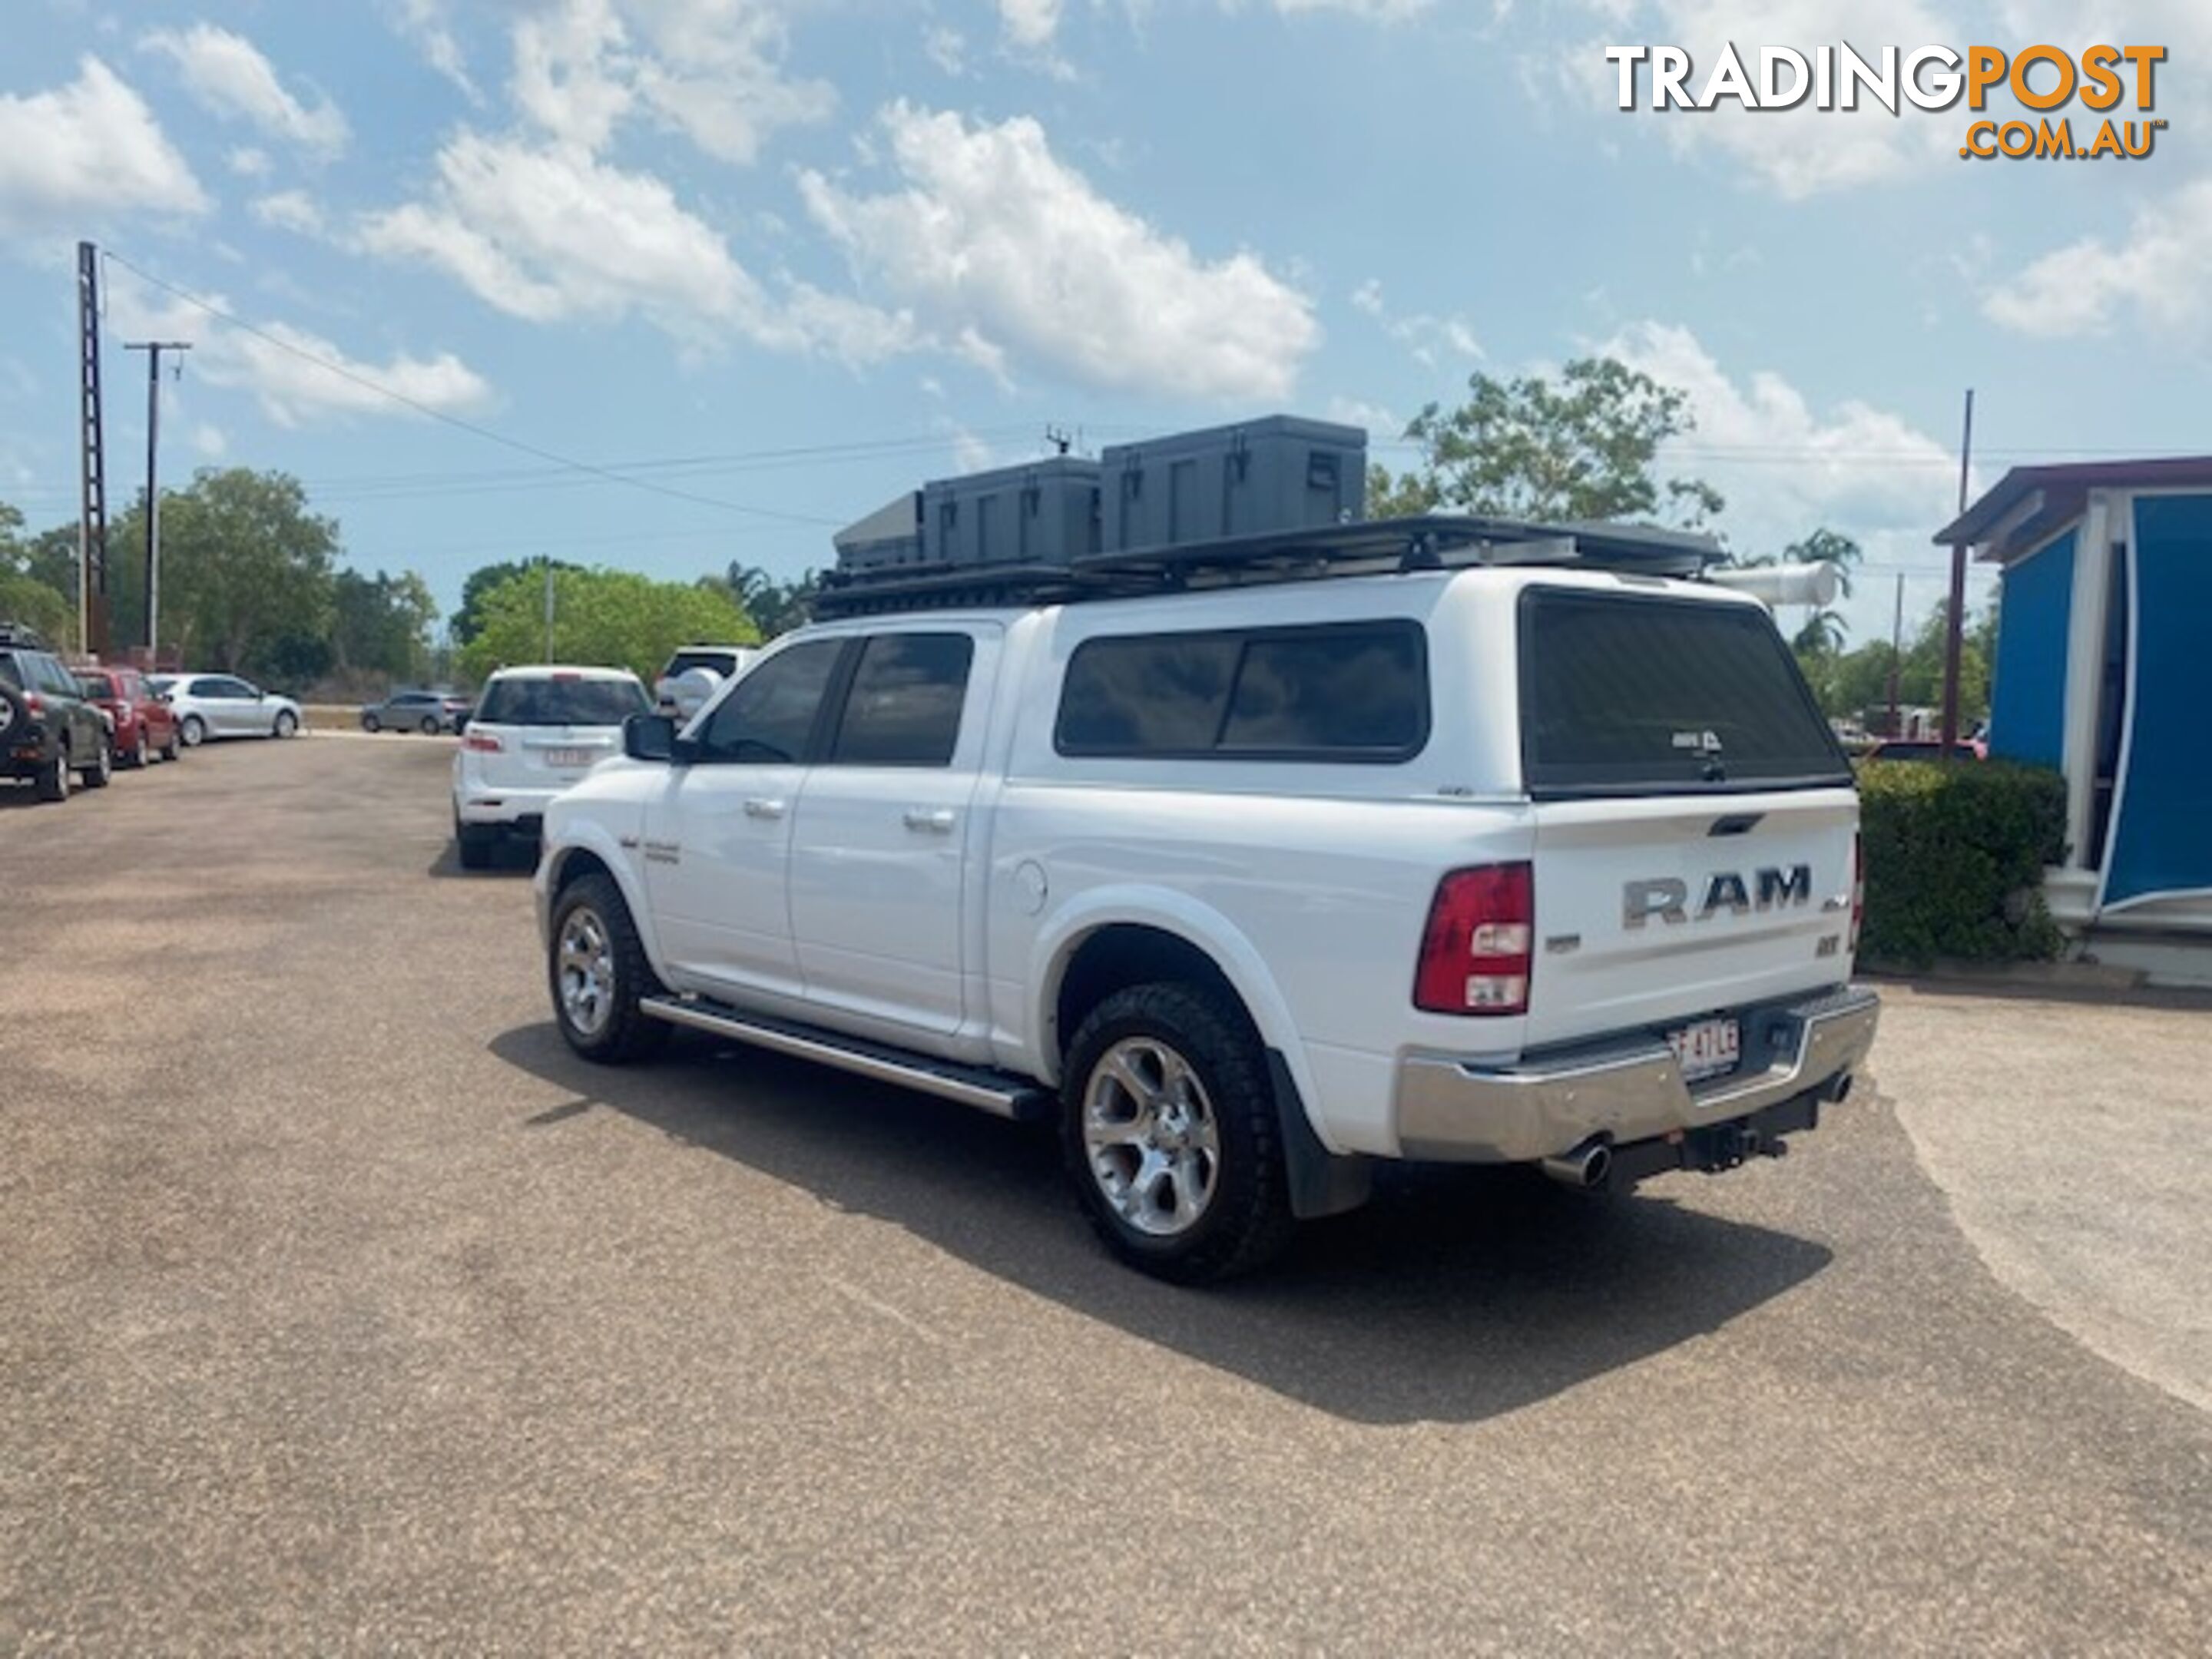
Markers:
point(653, 738)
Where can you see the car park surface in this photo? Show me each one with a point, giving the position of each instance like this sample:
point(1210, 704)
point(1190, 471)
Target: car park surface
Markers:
point(374, 1320)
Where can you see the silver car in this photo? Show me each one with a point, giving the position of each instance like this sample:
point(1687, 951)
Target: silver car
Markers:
point(224, 706)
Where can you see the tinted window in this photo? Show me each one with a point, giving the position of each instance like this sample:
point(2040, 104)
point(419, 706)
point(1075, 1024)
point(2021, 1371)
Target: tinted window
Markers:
point(770, 715)
point(574, 701)
point(53, 678)
point(1352, 691)
point(9, 673)
point(98, 685)
point(904, 706)
point(208, 688)
point(1638, 695)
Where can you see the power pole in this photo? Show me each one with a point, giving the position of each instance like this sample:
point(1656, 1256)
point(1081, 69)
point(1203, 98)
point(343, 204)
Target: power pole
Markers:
point(549, 607)
point(1896, 655)
point(92, 507)
point(153, 348)
point(1954, 628)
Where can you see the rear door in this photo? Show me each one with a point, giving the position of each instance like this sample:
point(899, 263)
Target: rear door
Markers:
point(1696, 820)
point(880, 851)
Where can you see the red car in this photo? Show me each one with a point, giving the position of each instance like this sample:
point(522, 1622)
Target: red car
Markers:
point(145, 725)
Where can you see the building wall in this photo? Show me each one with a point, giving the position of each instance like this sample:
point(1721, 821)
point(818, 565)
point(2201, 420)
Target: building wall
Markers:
point(2027, 709)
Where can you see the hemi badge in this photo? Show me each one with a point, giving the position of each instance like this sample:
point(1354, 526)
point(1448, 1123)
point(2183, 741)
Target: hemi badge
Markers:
point(1560, 945)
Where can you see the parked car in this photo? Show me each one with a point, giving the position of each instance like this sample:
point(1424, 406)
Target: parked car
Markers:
point(696, 672)
point(143, 726)
point(224, 706)
point(1926, 749)
point(426, 712)
point(535, 731)
point(49, 732)
point(1251, 889)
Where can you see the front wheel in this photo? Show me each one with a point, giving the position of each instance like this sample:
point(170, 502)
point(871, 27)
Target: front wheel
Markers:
point(96, 775)
point(193, 731)
point(141, 756)
point(369, 722)
point(598, 972)
point(1169, 1126)
point(287, 724)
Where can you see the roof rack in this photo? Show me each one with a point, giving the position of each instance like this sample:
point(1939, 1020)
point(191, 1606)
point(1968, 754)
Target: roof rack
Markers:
point(1435, 541)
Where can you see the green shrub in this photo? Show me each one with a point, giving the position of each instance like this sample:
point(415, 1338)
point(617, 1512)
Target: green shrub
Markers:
point(1954, 860)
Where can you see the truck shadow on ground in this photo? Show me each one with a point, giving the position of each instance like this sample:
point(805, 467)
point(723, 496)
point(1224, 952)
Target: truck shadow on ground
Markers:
point(1457, 1295)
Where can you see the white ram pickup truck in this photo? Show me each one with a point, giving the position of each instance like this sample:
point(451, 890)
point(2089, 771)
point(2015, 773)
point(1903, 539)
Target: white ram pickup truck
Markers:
point(1249, 889)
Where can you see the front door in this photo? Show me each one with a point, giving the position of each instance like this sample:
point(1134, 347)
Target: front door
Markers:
point(717, 841)
point(880, 851)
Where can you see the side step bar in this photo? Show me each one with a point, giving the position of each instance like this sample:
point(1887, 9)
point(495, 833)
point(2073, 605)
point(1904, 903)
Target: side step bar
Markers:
point(997, 1092)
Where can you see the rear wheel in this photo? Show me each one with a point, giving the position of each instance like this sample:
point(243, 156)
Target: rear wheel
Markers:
point(430, 727)
point(53, 779)
point(193, 731)
point(475, 844)
point(1169, 1126)
point(169, 749)
point(597, 971)
point(287, 724)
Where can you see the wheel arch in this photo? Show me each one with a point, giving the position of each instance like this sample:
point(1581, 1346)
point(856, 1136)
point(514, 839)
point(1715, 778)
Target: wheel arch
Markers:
point(570, 862)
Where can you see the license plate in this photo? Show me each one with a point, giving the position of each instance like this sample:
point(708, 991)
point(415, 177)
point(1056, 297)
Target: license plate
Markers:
point(1707, 1048)
point(567, 757)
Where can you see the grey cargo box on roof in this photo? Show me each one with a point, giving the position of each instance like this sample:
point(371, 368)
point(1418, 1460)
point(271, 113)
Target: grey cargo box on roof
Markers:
point(1044, 512)
point(889, 539)
point(1276, 473)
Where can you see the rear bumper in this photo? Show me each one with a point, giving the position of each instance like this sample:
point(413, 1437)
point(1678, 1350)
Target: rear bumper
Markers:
point(520, 810)
point(1627, 1089)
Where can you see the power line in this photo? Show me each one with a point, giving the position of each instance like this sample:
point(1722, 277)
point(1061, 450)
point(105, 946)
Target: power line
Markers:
point(565, 462)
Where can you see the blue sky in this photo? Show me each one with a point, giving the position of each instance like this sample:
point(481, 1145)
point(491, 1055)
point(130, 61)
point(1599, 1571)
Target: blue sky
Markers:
point(779, 260)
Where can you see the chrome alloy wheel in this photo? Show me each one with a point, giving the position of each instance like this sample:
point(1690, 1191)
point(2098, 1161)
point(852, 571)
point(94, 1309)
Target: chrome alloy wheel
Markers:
point(586, 972)
point(1151, 1137)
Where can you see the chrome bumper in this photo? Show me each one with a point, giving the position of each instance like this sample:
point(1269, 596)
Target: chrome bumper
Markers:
point(1626, 1089)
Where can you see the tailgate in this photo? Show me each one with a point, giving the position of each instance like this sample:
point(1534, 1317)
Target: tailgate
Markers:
point(549, 756)
point(1651, 911)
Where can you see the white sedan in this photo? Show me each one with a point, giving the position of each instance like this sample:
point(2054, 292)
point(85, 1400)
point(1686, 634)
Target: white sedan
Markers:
point(224, 706)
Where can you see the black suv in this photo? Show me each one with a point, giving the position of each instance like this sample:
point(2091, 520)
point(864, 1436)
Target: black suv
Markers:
point(48, 730)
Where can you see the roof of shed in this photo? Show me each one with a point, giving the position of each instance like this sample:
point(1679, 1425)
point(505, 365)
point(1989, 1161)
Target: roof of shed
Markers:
point(2029, 503)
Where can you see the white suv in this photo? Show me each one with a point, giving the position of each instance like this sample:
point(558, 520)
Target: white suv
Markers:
point(1250, 889)
point(535, 731)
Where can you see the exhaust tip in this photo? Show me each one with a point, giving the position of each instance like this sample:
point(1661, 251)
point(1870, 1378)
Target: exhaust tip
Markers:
point(1586, 1167)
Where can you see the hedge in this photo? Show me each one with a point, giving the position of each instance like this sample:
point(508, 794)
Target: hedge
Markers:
point(1954, 860)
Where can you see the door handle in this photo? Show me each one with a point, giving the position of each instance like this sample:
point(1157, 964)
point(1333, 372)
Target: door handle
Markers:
point(761, 807)
point(921, 817)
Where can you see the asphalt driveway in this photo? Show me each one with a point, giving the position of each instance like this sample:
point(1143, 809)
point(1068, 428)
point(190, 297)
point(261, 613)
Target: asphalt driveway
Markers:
point(341, 1309)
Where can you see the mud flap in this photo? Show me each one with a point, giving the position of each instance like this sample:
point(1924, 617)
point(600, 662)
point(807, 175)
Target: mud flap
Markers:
point(1321, 1182)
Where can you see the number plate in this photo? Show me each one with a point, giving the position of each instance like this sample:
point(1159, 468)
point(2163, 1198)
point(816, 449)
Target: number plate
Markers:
point(1707, 1048)
point(567, 757)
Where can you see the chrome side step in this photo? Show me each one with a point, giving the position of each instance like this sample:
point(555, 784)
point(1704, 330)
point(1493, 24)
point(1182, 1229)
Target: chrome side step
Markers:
point(997, 1092)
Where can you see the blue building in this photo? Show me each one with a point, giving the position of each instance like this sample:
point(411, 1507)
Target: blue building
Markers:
point(2104, 670)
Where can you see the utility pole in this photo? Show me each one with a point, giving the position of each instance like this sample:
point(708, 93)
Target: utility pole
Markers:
point(1955, 628)
point(549, 607)
point(153, 348)
point(1896, 655)
point(91, 503)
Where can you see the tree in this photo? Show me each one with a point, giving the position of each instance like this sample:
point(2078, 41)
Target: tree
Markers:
point(775, 607)
point(244, 564)
point(468, 622)
point(381, 624)
point(615, 617)
point(1583, 447)
point(27, 593)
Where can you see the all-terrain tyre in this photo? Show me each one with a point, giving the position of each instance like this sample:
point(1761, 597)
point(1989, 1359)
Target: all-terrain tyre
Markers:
point(53, 779)
point(596, 969)
point(1168, 1123)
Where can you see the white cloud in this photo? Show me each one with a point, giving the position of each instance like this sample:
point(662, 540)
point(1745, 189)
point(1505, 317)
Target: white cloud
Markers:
point(210, 443)
point(1029, 24)
point(1378, 11)
point(1786, 468)
point(228, 74)
point(947, 48)
point(248, 162)
point(290, 209)
point(1429, 338)
point(546, 232)
point(1001, 246)
point(91, 149)
point(1380, 423)
point(2156, 271)
point(426, 23)
point(294, 376)
point(710, 68)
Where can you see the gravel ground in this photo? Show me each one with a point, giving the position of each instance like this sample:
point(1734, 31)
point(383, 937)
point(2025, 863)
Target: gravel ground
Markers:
point(341, 1310)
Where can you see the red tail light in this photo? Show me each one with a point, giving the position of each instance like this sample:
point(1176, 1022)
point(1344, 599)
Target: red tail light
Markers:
point(1476, 950)
point(483, 742)
point(33, 703)
point(1858, 887)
